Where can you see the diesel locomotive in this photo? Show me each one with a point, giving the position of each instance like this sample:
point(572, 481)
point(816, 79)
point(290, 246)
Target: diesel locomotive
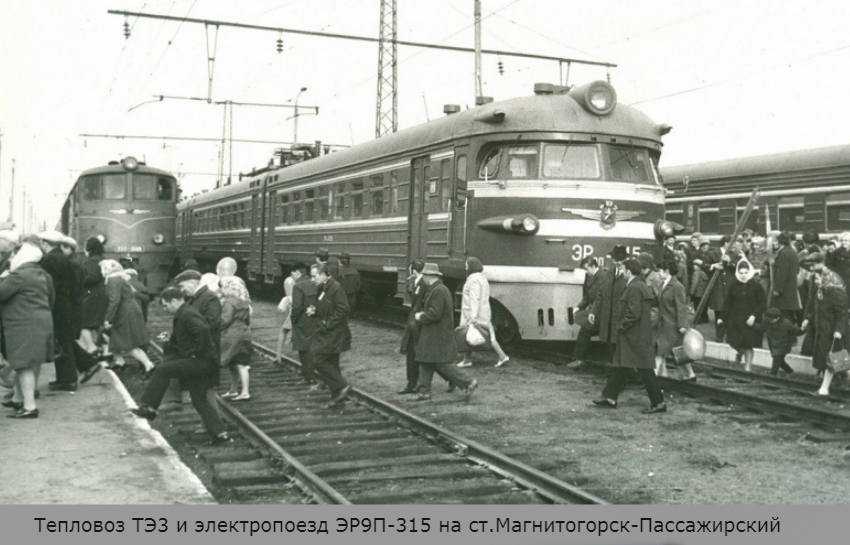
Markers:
point(133, 206)
point(529, 185)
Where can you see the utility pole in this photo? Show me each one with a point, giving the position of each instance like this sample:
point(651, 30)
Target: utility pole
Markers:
point(478, 87)
point(295, 118)
point(386, 112)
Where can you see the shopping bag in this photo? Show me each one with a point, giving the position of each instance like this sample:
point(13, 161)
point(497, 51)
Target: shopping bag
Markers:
point(582, 320)
point(464, 346)
point(839, 361)
point(474, 337)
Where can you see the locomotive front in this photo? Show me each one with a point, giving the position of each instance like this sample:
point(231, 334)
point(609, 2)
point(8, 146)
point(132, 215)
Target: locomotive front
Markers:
point(133, 207)
point(561, 176)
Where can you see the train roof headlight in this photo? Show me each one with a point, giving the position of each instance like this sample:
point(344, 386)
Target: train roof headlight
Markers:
point(598, 97)
point(130, 163)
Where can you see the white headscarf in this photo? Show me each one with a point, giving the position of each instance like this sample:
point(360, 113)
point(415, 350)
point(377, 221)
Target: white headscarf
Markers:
point(28, 253)
point(743, 275)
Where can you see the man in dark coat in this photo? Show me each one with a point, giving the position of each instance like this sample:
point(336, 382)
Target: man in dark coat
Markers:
point(304, 295)
point(332, 336)
point(58, 266)
point(590, 290)
point(786, 268)
point(87, 365)
point(612, 284)
point(204, 301)
point(435, 349)
point(416, 289)
point(349, 279)
point(191, 357)
point(712, 260)
point(634, 347)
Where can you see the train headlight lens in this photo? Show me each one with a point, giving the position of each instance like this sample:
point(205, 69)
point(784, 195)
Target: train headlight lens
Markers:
point(130, 163)
point(529, 224)
point(666, 229)
point(601, 98)
point(158, 238)
point(597, 97)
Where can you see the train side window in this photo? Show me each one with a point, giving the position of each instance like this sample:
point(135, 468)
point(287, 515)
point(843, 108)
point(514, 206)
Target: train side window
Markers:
point(91, 188)
point(570, 161)
point(114, 186)
point(339, 201)
point(284, 209)
point(393, 193)
point(309, 205)
point(376, 207)
point(522, 161)
point(324, 202)
point(296, 207)
point(838, 212)
point(357, 198)
point(709, 217)
point(460, 183)
point(490, 165)
point(792, 214)
point(445, 193)
point(752, 220)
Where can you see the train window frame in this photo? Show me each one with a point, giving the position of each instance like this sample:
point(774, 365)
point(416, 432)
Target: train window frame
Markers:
point(512, 156)
point(283, 205)
point(568, 146)
point(340, 191)
point(297, 201)
point(834, 205)
point(325, 197)
point(461, 182)
point(91, 192)
point(403, 192)
point(357, 187)
point(310, 205)
point(394, 191)
point(107, 179)
point(445, 194)
point(651, 173)
point(708, 207)
point(791, 202)
point(493, 157)
point(376, 197)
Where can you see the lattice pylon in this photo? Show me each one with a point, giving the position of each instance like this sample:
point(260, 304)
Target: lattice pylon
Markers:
point(386, 113)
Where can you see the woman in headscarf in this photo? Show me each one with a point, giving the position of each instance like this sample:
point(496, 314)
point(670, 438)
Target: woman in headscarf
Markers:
point(743, 310)
point(826, 316)
point(236, 346)
point(124, 320)
point(94, 295)
point(26, 303)
point(475, 308)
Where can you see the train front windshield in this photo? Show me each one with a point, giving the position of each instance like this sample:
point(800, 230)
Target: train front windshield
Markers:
point(137, 187)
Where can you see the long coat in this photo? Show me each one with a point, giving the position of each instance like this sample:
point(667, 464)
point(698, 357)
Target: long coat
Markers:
point(840, 263)
point(304, 294)
point(717, 296)
point(634, 330)
point(332, 335)
point(826, 316)
point(235, 332)
point(190, 338)
point(743, 301)
point(208, 306)
point(605, 305)
point(26, 300)
point(94, 293)
point(437, 339)
point(590, 289)
point(417, 290)
point(124, 313)
point(786, 267)
point(475, 305)
point(673, 314)
point(58, 266)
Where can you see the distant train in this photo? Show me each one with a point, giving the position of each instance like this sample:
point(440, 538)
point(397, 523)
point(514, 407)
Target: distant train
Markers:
point(133, 206)
point(806, 190)
point(530, 186)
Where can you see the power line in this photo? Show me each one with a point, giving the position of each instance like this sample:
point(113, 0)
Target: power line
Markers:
point(197, 139)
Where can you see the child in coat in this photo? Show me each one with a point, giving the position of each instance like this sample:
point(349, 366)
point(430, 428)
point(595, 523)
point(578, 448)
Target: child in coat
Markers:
point(781, 336)
point(699, 283)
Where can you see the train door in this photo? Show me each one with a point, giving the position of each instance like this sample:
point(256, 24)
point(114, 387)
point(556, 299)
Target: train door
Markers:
point(457, 203)
point(417, 221)
point(270, 268)
point(255, 260)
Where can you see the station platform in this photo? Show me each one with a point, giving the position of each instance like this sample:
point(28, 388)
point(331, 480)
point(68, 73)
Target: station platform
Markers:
point(761, 356)
point(87, 448)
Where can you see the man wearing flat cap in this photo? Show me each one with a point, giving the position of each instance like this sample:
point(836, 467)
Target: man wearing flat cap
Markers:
point(322, 256)
point(786, 267)
point(58, 266)
point(349, 278)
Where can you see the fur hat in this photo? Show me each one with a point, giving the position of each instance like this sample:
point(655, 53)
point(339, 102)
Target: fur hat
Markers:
point(187, 275)
point(646, 260)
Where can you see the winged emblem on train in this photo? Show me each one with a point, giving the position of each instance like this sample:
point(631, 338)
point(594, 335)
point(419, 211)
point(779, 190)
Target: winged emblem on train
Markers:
point(607, 214)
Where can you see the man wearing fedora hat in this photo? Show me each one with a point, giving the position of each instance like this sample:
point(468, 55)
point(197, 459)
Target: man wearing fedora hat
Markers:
point(349, 279)
point(436, 350)
point(58, 266)
point(604, 310)
point(786, 268)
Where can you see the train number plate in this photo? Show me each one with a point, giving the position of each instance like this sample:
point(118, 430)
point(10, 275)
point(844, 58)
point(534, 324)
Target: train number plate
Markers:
point(122, 249)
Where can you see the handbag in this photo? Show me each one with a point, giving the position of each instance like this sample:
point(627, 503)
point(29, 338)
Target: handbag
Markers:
point(838, 362)
point(462, 343)
point(582, 320)
point(680, 356)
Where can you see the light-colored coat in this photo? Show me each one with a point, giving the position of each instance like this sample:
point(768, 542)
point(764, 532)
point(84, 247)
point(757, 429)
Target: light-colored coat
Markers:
point(475, 307)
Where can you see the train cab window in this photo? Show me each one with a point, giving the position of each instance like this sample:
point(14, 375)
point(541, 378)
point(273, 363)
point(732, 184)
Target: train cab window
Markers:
point(91, 188)
point(149, 188)
point(709, 217)
point(570, 161)
point(490, 165)
point(460, 183)
point(114, 186)
point(522, 161)
point(631, 165)
point(838, 212)
point(792, 214)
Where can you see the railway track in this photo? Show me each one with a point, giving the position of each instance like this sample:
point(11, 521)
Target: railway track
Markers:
point(368, 452)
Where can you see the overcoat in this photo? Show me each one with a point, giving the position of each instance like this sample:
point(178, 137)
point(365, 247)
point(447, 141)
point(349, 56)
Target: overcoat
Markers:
point(304, 294)
point(437, 339)
point(349, 279)
point(125, 315)
point(840, 263)
point(742, 301)
point(26, 300)
point(235, 331)
point(826, 315)
point(94, 293)
point(786, 267)
point(673, 314)
point(417, 290)
point(208, 306)
point(717, 297)
point(58, 266)
point(781, 336)
point(590, 289)
point(332, 335)
point(475, 305)
point(634, 329)
point(190, 338)
point(605, 305)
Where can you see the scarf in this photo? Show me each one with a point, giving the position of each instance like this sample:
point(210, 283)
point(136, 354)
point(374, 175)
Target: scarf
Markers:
point(743, 274)
point(28, 253)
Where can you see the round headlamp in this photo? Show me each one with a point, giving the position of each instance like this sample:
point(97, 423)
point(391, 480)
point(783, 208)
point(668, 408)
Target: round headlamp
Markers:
point(598, 97)
point(529, 224)
point(130, 163)
point(158, 238)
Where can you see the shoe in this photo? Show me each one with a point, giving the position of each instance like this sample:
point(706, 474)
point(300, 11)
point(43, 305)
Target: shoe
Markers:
point(465, 364)
point(228, 395)
point(173, 407)
point(222, 438)
point(822, 393)
point(406, 391)
point(14, 405)
point(90, 373)
point(334, 405)
point(422, 397)
point(502, 362)
point(692, 379)
point(452, 387)
point(471, 388)
point(342, 394)
point(605, 403)
point(56, 386)
point(143, 411)
point(21, 413)
point(578, 364)
point(146, 375)
point(660, 408)
point(241, 398)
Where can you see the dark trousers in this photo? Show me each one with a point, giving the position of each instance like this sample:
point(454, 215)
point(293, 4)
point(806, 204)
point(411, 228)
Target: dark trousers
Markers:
point(326, 366)
point(719, 329)
point(194, 375)
point(703, 317)
point(448, 371)
point(307, 371)
point(780, 363)
point(352, 303)
point(83, 361)
point(66, 364)
point(412, 365)
point(582, 344)
point(620, 376)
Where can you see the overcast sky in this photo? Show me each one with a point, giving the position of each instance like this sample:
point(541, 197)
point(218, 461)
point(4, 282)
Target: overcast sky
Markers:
point(733, 78)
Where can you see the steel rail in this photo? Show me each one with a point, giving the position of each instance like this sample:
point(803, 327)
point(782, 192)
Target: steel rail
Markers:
point(795, 385)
